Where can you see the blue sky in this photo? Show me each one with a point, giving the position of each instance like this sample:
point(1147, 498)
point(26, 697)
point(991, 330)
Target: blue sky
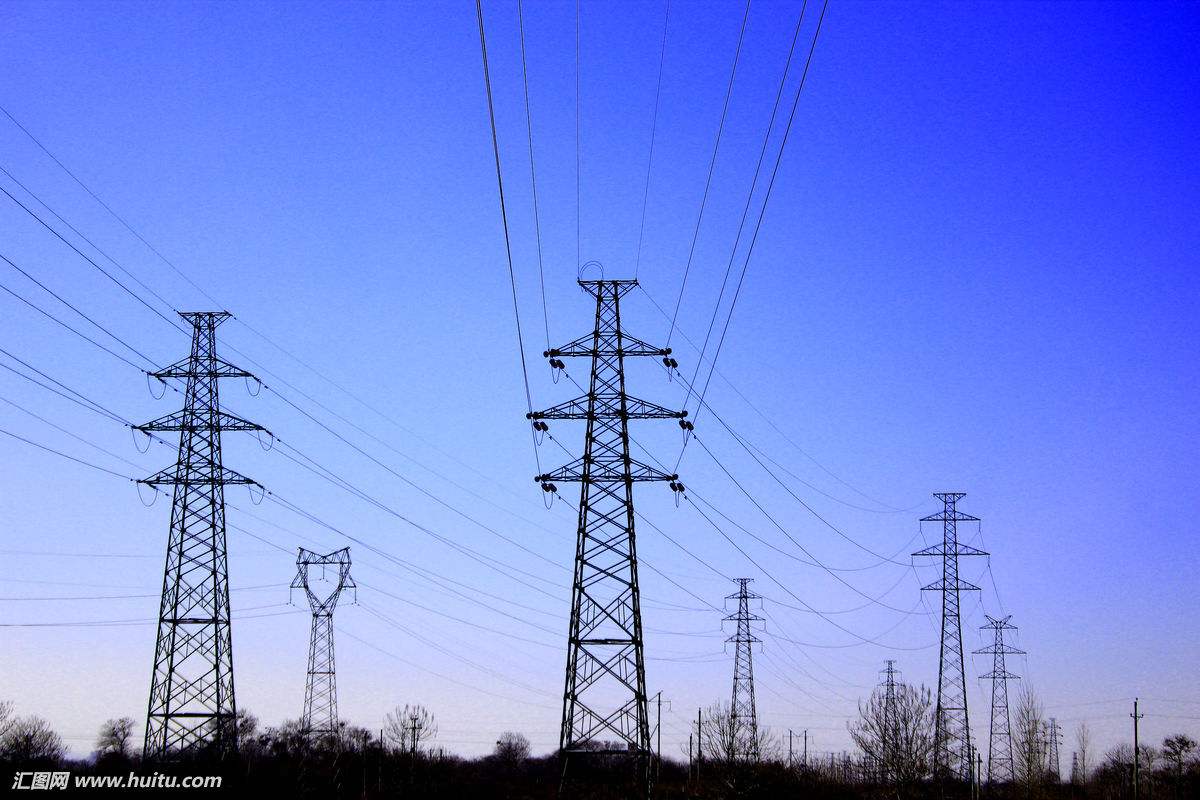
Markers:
point(975, 274)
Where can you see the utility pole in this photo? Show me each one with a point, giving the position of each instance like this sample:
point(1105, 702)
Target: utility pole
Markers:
point(1000, 757)
point(806, 748)
point(412, 742)
point(605, 694)
point(744, 715)
point(1137, 756)
point(320, 689)
point(951, 724)
point(192, 705)
point(699, 742)
point(791, 761)
point(1053, 739)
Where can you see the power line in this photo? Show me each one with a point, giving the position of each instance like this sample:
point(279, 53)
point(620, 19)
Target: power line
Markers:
point(780, 432)
point(104, 205)
point(512, 277)
point(749, 198)
point(88, 259)
point(662, 57)
point(537, 224)
point(766, 199)
point(711, 165)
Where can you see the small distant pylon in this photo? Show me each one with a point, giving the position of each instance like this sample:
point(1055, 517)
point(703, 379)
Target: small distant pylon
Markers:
point(1076, 779)
point(1000, 757)
point(952, 726)
point(744, 714)
point(1053, 739)
point(192, 706)
point(890, 724)
point(320, 690)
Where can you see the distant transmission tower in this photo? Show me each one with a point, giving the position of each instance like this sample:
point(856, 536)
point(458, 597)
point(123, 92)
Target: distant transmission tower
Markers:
point(890, 723)
point(192, 705)
point(604, 702)
point(952, 737)
point(320, 691)
point(1053, 740)
point(1000, 755)
point(744, 716)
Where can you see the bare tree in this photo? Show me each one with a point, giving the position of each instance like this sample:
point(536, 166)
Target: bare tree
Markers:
point(115, 737)
point(900, 740)
point(1178, 749)
point(1029, 742)
point(512, 747)
point(246, 727)
point(1083, 744)
point(6, 717)
point(720, 742)
point(29, 739)
point(409, 727)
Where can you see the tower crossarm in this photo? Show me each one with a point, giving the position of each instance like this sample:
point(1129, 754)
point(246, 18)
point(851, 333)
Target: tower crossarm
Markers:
point(997, 649)
point(1002, 675)
point(579, 471)
point(206, 475)
point(212, 368)
point(950, 516)
point(607, 406)
point(942, 585)
point(941, 551)
point(589, 346)
point(186, 421)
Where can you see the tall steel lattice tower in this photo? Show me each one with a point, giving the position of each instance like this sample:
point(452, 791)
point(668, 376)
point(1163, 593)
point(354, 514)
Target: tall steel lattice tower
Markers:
point(743, 714)
point(1053, 740)
point(604, 700)
point(192, 706)
point(952, 757)
point(890, 722)
point(320, 690)
point(1000, 756)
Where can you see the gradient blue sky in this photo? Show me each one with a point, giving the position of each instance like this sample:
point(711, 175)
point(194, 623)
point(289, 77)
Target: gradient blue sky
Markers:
point(976, 273)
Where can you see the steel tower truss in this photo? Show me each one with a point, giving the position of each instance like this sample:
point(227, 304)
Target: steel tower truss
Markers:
point(604, 700)
point(320, 690)
point(744, 715)
point(952, 735)
point(1000, 756)
point(192, 705)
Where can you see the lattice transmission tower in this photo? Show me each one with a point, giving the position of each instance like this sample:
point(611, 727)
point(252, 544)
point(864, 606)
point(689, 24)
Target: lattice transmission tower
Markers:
point(1000, 756)
point(1053, 740)
point(604, 700)
point(192, 705)
point(743, 713)
point(890, 723)
point(952, 734)
point(320, 690)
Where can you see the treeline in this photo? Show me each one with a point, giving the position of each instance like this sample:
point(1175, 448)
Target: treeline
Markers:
point(404, 761)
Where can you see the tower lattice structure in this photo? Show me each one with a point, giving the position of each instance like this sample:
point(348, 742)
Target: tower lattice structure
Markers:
point(952, 735)
point(604, 699)
point(743, 713)
point(890, 723)
point(1000, 755)
point(320, 689)
point(192, 705)
point(1053, 740)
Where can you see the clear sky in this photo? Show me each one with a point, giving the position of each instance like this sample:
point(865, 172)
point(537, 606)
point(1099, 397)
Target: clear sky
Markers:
point(976, 273)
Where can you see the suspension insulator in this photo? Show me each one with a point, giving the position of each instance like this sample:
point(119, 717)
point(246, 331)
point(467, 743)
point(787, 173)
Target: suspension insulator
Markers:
point(687, 426)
